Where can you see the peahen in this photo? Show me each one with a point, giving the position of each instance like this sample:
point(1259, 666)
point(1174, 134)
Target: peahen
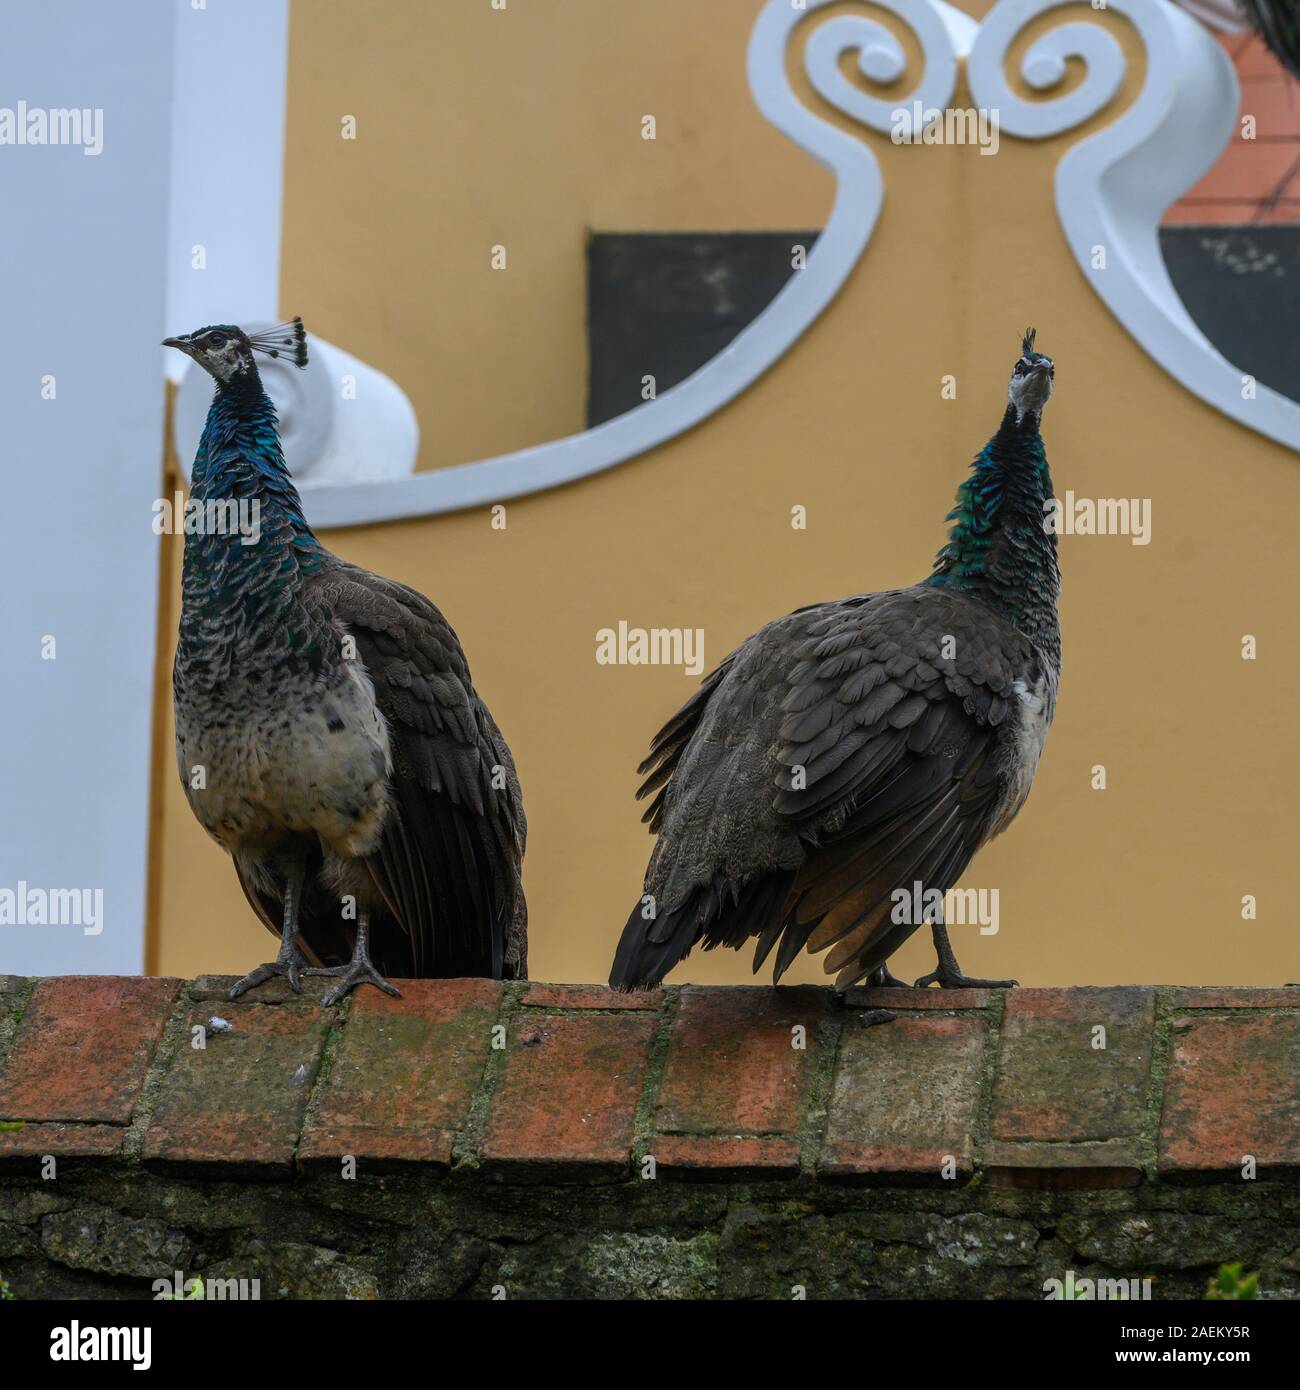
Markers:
point(328, 735)
point(851, 750)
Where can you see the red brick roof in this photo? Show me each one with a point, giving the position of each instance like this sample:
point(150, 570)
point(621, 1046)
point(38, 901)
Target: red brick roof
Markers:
point(1253, 181)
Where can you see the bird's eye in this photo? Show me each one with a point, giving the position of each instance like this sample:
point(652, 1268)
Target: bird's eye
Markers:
point(1020, 369)
point(216, 340)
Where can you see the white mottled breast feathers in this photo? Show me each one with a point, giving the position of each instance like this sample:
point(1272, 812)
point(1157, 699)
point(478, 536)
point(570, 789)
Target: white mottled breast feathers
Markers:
point(1034, 707)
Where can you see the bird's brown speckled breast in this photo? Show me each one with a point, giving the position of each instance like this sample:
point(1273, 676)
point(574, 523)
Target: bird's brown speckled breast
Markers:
point(259, 764)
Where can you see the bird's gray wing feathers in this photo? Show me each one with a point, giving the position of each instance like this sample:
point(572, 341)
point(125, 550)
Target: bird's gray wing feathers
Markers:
point(449, 861)
point(890, 761)
point(847, 751)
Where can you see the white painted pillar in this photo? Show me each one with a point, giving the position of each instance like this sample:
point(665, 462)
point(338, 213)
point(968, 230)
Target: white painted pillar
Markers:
point(97, 255)
point(227, 166)
point(82, 241)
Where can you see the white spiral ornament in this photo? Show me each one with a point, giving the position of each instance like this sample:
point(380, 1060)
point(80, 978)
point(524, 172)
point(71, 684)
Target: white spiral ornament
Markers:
point(1044, 67)
point(942, 33)
point(881, 60)
point(1113, 187)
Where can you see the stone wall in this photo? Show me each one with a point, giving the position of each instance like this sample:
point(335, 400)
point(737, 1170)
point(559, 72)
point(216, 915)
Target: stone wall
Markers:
point(545, 1141)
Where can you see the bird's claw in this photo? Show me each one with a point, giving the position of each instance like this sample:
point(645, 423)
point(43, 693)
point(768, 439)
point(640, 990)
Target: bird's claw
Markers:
point(883, 978)
point(349, 977)
point(290, 966)
point(866, 1017)
point(947, 979)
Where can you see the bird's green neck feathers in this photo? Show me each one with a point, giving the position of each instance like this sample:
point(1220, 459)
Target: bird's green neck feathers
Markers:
point(999, 549)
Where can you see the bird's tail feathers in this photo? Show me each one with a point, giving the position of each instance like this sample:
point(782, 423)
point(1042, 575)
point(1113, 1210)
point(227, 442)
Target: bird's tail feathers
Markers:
point(720, 913)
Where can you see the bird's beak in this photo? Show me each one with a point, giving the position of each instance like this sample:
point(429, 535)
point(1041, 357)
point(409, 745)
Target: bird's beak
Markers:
point(182, 343)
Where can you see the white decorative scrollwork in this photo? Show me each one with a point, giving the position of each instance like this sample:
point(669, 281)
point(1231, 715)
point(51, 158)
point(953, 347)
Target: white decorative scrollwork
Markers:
point(881, 59)
point(1113, 187)
point(1043, 68)
point(943, 33)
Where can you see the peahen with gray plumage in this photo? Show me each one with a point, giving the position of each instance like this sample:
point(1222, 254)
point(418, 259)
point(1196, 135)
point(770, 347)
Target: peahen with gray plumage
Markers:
point(851, 750)
point(328, 734)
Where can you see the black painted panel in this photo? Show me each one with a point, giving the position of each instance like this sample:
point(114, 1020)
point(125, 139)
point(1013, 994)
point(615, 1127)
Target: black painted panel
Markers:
point(663, 304)
point(1241, 285)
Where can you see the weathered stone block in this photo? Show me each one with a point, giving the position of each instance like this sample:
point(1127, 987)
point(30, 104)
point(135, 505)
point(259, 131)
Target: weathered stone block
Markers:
point(905, 1100)
point(103, 1241)
point(1059, 1078)
point(236, 1105)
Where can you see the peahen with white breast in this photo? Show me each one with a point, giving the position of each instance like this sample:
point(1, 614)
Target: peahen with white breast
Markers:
point(852, 750)
point(328, 734)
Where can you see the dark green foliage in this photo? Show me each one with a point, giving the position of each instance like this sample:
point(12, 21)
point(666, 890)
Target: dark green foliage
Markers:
point(1229, 1283)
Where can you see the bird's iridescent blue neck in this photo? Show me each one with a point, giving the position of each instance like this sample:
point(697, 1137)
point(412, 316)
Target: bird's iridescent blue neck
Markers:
point(999, 550)
point(235, 593)
point(240, 459)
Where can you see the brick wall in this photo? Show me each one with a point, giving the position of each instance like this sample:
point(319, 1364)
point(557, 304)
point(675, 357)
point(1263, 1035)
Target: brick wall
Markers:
point(976, 1146)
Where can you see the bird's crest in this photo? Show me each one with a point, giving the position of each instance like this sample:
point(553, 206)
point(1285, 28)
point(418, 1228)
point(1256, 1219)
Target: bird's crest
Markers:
point(287, 340)
point(1027, 345)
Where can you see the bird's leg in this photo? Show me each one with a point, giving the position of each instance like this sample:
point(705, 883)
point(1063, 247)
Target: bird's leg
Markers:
point(358, 971)
point(947, 974)
point(290, 961)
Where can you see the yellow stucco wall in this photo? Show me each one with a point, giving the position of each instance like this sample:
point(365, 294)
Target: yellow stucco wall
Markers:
point(477, 127)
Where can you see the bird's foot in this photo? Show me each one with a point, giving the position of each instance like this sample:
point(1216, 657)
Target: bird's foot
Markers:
point(954, 979)
point(883, 979)
point(349, 976)
point(947, 974)
point(290, 963)
point(867, 1018)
